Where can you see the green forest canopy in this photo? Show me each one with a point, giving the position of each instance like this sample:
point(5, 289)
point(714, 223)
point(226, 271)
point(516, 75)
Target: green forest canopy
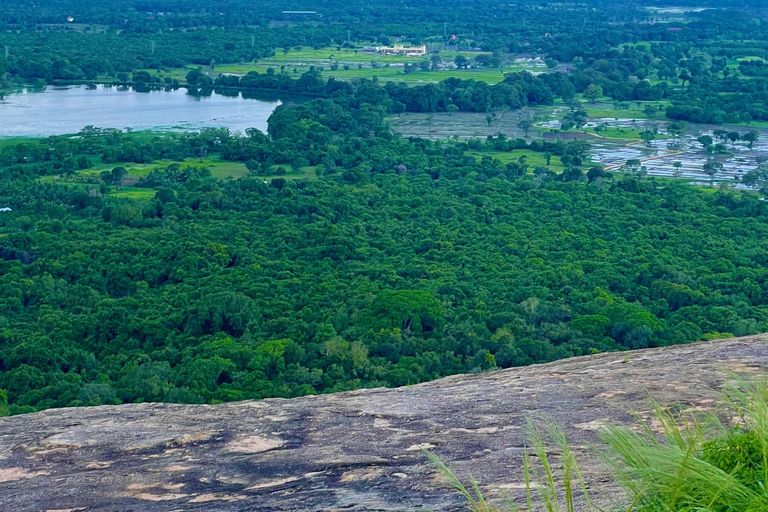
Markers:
point(244, 289)
point(402, 260)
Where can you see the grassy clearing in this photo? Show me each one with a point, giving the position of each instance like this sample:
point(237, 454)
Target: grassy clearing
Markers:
point(134, 193)
point(618, 133)
point(144, 136)
point(305, 173)
point(532, 158)
point(219, 168)
point(13, 141)
point(755, 124)
point(605, 108)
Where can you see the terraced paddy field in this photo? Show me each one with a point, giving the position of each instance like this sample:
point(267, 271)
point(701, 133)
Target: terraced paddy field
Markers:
point(659, 155)
point(459, 125)
point(617, 141)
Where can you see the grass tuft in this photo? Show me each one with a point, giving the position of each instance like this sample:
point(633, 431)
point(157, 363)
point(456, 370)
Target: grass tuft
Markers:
point(681, 463)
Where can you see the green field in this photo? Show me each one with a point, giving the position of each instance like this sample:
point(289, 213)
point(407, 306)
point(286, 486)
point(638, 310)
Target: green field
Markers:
point(533, 158)
point(607, 110)
point(358, 65)
point(219, 169)
point(308, 172)
point(134, 193)
point(352, 55)
point(604, 109)
point(385, 74)
point(125, 192)
point(13, 141)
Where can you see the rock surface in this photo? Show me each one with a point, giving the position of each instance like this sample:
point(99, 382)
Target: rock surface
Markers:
point(358, 451)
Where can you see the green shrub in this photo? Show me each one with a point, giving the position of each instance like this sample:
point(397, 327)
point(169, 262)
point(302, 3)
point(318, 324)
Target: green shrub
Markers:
point(738, 454)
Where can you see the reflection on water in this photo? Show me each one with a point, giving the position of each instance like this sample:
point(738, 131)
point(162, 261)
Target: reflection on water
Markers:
point(59, 110)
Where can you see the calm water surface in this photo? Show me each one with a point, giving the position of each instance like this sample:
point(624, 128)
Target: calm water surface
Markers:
point(60, 110)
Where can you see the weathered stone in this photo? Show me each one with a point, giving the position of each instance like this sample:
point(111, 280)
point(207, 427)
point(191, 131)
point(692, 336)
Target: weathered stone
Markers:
point(358, 451)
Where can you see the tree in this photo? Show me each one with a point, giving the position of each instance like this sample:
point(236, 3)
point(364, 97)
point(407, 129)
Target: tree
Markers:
point(4, 403)
point(483, 60)
point(596, 172)
point(575, 119)
point(633, 166)
point(525, 125)
point(142, 77)
point(461, 62)
point(757, 179)
point(574, 104)
point(593, 93)
point(677, 128)
point(489, 119)
point(711, 168)
point(750, 137)
point(720, 135)
point(677, 165)
point(650, 111)
point(648, 136)
point(435, 62)
point(194, 76)
point(705, 141)
point(409, 310)
point(118, 175)
point(733, 137)
point(579, 118)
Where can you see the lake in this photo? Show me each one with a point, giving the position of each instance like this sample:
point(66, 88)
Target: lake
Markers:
point(61, 110)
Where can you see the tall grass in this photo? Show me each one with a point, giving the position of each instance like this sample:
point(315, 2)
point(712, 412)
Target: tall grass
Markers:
point(554, 483)
point(689, 463)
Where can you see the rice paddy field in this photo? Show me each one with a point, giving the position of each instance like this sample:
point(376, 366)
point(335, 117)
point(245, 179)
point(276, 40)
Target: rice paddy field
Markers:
point(459, 125)
point(616, 141)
